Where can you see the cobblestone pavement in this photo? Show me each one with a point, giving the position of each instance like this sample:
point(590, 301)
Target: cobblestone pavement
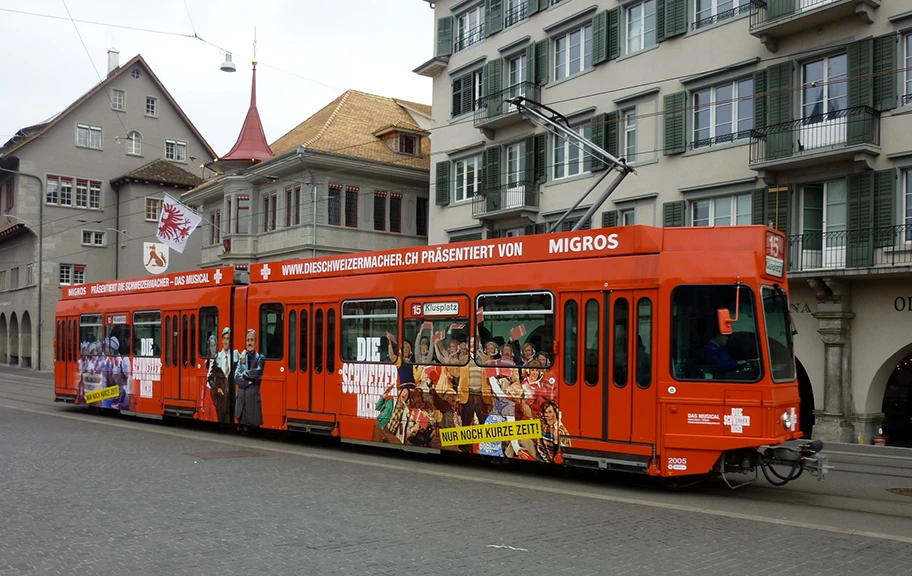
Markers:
point(89, 495)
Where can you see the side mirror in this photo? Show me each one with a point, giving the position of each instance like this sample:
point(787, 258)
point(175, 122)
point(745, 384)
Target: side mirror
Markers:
point(725, 321)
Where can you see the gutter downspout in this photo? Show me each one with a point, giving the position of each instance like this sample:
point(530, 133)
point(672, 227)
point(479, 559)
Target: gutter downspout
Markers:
point(41, 201)
point(117, 238)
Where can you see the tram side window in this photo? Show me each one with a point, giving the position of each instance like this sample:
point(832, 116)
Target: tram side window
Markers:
point(367, 326)
point(90, 335)
point(644, 343)
point(118, 337)
point(147, 333)
point(272, 330)
point(209, 332)
point(698, 350)
point(779, 333)
point(430, 340)
point(517, 328)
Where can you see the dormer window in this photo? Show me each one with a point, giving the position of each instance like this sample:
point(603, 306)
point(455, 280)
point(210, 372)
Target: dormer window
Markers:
point(408, 144)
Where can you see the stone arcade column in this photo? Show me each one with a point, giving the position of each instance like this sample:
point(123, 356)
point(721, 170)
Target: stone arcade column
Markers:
point(834, 313)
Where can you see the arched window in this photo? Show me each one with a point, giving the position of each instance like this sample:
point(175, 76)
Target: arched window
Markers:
point(134, 143)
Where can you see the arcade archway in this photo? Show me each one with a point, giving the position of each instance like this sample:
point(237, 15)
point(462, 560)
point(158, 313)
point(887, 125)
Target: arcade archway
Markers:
point(897, 404)
point(3, 339)
point(14, 340)
point(806, 410)
point(25, 329)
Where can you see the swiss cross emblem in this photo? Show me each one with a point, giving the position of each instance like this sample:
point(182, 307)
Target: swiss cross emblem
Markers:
point(737, 420)
point(217, 276)
point(265, 272)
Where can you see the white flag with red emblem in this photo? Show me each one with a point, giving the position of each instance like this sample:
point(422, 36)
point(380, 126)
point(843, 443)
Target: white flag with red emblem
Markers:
point(176, 223)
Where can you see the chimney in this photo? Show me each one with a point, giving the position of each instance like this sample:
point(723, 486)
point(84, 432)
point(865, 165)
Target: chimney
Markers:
point(113, 60)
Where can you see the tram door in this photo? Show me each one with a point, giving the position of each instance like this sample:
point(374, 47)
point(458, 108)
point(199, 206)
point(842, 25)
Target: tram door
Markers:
point(67, 354)
point(182, 379)
point(631, 367)
point(581, 363)
point(312, 376)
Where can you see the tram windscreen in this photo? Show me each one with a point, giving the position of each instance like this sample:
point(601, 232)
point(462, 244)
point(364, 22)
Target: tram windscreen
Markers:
point(779, 333)
point(698, 350)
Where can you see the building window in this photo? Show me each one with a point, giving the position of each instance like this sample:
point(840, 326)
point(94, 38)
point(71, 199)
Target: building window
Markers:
point(723, 113)
point(2, 279)
point(351, 206)
point(395, 212)
point(468, 178)
point(242, 216)
point(93, 238)
point(334, 205)
point(269, 212)
point(641, 26)
point(907, 98)
point(421, 217)
point(630, 135)
point(515, 12)
point(118, 99)
point(14, 278)
point(823, 217)
point(707, 12)
point(627, 217)
point(907, 203)
point(215, 228)
point(94, 195)
point(134, 143)
point(469, 28)
point(516, 175)
point(10, 196)
point(380, 210)
point(569, 160)
point(467, 90)
point(66, 191)
point(408, 144)
point(82, 194)
point(151, 106)
point(88, 136)
point(153, 209)
point(72, 274)
point(573, 53)
point(292, 206)
point(29, 274)
point(722, 211)
point(176, 150)
point(517, 75)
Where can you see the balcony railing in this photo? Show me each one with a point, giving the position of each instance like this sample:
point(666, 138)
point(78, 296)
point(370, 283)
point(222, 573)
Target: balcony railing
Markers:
point(494, 105)
point(468, 37)
point(723, 15)
point(506, 198)
point(765, 12)
point(516, 14)
point(720, 139)
point(906, 99)
point(864, 248)
point(832, 131)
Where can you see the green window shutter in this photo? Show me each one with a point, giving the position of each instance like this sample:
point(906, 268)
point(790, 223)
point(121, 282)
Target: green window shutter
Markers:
point(599, 38)
point(609, 219)
point(529, 176)
point(777, 209)
point(758, 206)
point(598, 137)
point(541, 155)
point(614, 33)
point(660, 20)
point(539, 228)
point(861, 66)
point(457, 97)
point(494, 234)
point(493, 17)
point(780, 8)
point(675, 18)
point(465, 237)
point(492, 168)
point(860, 241)
point(443, 183)
point(444, 36)
point(760, 99)
point(673, 214)
point(542, 59)
point(779, 110)
point(493, 75)
point(884, 202)
point(885, 72)
point(468, 102)
point(674, 123)
point(530, 63)
point(610, 145)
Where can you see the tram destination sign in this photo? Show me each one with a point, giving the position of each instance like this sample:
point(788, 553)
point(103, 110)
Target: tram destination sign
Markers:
point(178, 281)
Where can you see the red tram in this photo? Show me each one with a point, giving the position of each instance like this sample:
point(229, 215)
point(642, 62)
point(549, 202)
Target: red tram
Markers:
point(661, 351)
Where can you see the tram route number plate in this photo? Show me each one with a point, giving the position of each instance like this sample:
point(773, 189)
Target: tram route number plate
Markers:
point(775, 255)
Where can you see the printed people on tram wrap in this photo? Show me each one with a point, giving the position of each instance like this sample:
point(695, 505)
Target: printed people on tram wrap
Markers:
point(247, 376)
point(555, 437)
point(117, 373)
point(214, 397)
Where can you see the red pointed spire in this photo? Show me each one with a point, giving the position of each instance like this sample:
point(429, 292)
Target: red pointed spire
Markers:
point(251, 145)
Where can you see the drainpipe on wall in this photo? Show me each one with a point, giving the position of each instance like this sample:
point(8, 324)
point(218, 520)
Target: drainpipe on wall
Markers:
point(40, 255)
point(117, 238)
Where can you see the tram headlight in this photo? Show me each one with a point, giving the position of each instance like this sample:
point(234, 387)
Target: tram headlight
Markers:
point(787, 420)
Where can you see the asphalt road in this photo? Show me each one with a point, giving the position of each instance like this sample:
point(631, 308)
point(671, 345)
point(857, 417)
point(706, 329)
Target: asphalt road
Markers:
point(104, 494)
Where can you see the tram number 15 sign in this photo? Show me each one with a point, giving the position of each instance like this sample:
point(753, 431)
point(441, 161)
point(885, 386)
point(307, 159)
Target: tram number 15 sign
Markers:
point(775, 255)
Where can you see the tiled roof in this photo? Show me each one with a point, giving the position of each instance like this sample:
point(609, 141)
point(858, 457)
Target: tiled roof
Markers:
point(163, 172)
point(26, 135)
point(423, 108)
point(347, 125)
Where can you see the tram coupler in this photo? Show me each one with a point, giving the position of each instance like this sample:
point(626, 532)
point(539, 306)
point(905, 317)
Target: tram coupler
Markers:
point(800, 457)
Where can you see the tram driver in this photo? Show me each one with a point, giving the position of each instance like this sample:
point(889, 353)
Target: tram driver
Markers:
point(716, 356)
